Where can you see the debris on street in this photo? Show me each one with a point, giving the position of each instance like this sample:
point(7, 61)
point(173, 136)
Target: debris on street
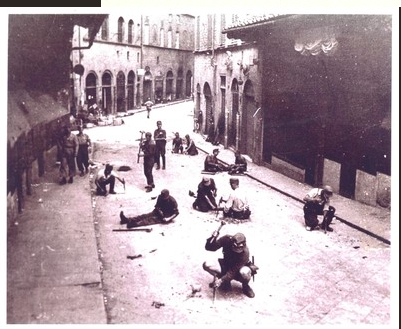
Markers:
point(157, 304)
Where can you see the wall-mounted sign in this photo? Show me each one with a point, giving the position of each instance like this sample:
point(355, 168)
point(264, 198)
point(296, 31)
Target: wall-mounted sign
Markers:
point(141, 72)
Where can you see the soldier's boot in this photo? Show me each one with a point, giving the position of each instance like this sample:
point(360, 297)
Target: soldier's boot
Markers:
point(123, 219)
point(226, 286)
point(247, 290)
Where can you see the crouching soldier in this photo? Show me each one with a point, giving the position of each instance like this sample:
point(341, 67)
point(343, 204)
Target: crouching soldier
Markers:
point(104, 177)
point(234, 266)
point(317, 203)
point(166, 209)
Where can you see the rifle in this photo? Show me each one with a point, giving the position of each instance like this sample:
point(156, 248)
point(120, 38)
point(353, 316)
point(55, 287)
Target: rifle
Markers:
point(218, 207)
point(253, 268)
point(140, 153)
point(214, 288)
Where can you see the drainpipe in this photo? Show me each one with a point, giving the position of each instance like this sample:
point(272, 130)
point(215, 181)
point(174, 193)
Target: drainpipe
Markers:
point(214, 69)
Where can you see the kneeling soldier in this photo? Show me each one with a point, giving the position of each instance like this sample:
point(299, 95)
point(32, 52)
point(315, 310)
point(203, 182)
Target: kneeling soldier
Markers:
point(234, 266)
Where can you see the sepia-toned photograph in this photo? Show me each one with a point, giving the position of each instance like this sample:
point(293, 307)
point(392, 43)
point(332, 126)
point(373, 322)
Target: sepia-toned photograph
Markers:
point(199, 167)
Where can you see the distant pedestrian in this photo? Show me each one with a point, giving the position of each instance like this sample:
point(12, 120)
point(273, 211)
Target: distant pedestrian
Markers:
point(83, 151)
point(149, 150)
point(200, 121)
point(318, 203)
point(206, 195)
point(68, 151)
point(177, 144)
point(104, 177)
point(148, 105)
point(236, 206)
point(166, 209)
point(191, 147)
point(160, 137)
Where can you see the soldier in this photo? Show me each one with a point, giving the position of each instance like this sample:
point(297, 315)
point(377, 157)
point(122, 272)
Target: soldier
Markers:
point(68, 151)
point(105, 177)
point(166, 209)
point(149, 150)
point(148, 105)
point(177, 144)
point(207, 192)
point(160, 139)
point(83, 151)
point(235, 264)
point(318, 203)
point(212, 164)
point(237, 203)
point(240, 165)
point(191, 147)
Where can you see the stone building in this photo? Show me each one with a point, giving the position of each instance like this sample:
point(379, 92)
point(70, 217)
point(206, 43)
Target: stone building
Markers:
point(226, 84)
point(39, 95)
point(305, 95)
point(325, 93)
point(134, 58)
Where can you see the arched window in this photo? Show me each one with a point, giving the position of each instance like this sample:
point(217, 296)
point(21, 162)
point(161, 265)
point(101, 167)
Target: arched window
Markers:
point(146, 33)
point(105, 29)
point(177, 40)
point(130, 31)
point(120, 29)
point(155, 40)
point(169, 38)
point(161, 37)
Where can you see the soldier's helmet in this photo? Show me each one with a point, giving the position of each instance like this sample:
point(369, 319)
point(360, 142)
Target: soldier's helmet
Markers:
point(238, 243)
point(328, 189)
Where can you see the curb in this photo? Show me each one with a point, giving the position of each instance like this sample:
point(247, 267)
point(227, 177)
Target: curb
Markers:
point(346, 222)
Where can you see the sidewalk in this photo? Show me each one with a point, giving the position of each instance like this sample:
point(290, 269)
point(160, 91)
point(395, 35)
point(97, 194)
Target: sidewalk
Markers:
point(53, 272)
point(375, 221)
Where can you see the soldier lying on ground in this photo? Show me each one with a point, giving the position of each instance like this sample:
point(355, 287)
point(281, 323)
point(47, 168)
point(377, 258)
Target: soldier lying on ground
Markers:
point(166, 209)
point(235, 265)
point(318, 203)
point(205, 198)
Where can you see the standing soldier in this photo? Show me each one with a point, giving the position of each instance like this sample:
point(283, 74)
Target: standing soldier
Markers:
point(160, 139)
point(149, 149)
point(148, 105)
point(69, 150)
point(84, 143)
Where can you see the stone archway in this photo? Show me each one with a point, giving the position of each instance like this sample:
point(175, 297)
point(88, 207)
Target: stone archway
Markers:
point(120, 92)
point(90, 88)
point(147, 86)
point(107, 97)
point(131, 90)
point(188, 84)
point(232, 124)
point(207, 92)
point(169, 86)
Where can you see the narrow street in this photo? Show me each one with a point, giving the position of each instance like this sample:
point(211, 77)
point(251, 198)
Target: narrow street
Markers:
point(304, 277)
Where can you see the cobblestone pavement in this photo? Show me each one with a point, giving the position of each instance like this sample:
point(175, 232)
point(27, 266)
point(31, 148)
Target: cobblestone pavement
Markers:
point(54, 273)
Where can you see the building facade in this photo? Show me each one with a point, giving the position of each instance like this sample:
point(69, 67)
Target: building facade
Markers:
point(325, 100)
point(39, 95)
point(135, 58)
point(227, 84)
